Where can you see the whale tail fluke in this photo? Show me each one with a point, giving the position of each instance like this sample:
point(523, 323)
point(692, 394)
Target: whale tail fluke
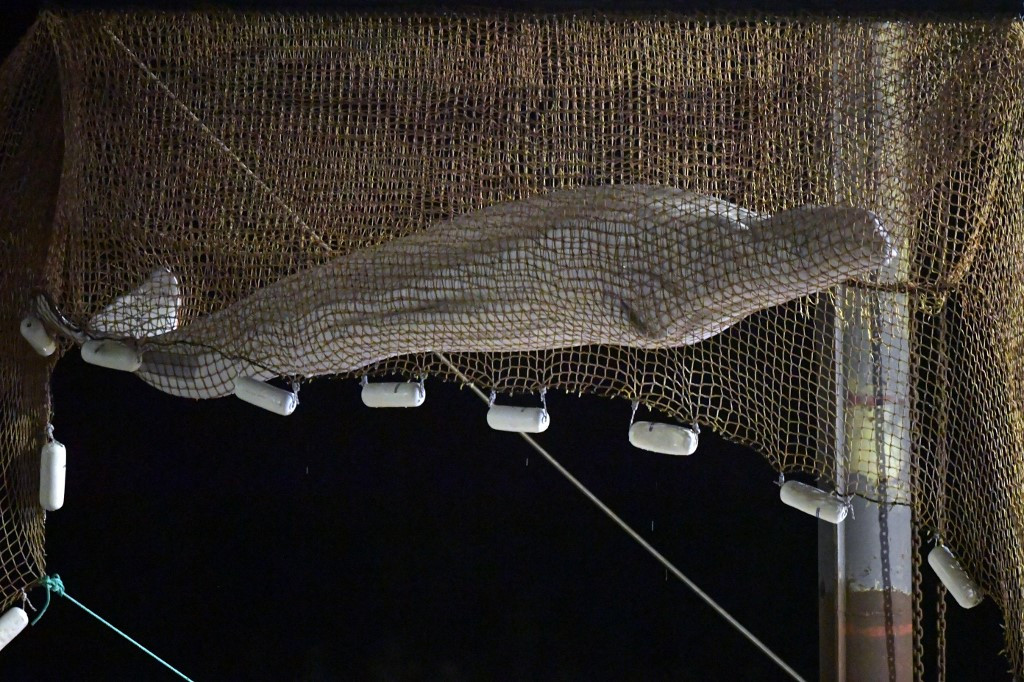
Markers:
point(151, 309)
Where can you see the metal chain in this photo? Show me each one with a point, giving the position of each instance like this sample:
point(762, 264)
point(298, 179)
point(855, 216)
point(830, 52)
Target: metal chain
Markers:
point(883, 484)
point(890, 635)
point(918, 604)
point(916, 556)
point(940, 627)
point(943, 473)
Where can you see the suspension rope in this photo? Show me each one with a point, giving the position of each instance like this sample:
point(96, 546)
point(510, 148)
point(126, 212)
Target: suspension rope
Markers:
point(669, 566)
point(55, 585)
point(220, 143)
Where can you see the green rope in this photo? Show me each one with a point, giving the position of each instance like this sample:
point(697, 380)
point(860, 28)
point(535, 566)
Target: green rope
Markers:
point(56, 586)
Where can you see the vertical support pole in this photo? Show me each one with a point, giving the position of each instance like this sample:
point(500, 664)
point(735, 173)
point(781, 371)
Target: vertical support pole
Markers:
point(832, 538)
point(865, 570)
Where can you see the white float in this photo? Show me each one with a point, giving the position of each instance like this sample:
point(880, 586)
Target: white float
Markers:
point(52, 471)
point(954, 577)
point(261, 394)
point(813, 501)
point(393, 394)
point(518, 419)
point(112, 355)
point(37, 336)
point(11, 624)
point(666, 439)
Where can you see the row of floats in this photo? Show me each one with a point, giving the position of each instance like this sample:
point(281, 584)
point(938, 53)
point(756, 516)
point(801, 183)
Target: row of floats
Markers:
point(111, 354)
point(656, 437)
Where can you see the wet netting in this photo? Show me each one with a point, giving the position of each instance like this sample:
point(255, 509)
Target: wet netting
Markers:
point(803, 233)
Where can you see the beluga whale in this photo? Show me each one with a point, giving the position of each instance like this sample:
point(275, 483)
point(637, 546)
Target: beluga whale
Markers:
point(627, 265)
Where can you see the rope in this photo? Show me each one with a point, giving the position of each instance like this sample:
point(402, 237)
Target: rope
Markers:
point(219, 143)
point(53, 584)
point(669, 566)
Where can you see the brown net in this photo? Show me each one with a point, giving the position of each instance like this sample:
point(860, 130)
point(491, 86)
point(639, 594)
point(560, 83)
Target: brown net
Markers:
point(30, 165)
point(804, 233)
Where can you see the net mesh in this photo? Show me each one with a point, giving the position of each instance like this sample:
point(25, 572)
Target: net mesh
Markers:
point(803, 233)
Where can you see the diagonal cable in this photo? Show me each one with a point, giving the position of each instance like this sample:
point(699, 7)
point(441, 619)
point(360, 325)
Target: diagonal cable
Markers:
point(632, 533)
point(218, 142)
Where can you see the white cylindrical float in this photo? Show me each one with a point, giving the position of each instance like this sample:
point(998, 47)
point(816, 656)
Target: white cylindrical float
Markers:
point(518, 419)
point(394, 394)
point(813, 501)
point(666, 439)
point(11, 624)
point(37, 336)
point(112, 355)
point(52, 471)
point(954, 577)
point(261, 394)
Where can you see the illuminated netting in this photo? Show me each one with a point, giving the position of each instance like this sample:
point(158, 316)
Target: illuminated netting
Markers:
point(689, 212)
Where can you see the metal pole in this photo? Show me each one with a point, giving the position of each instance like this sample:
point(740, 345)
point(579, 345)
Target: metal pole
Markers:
point(865, 569)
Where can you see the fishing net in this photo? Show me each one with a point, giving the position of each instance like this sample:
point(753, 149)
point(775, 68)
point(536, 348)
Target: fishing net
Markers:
point(571, 202)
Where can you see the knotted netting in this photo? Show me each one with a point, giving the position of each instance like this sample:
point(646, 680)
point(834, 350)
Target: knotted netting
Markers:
point(681, 211)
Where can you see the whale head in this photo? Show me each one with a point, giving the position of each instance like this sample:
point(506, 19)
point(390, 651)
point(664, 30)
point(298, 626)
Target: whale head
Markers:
point(811, 248)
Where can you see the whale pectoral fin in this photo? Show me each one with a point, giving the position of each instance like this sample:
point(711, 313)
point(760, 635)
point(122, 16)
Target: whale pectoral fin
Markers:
point(641, 322)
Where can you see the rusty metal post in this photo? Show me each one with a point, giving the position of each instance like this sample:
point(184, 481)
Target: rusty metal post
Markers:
point(865, 570)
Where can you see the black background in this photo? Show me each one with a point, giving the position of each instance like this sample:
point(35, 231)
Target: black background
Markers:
point(349, 543)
